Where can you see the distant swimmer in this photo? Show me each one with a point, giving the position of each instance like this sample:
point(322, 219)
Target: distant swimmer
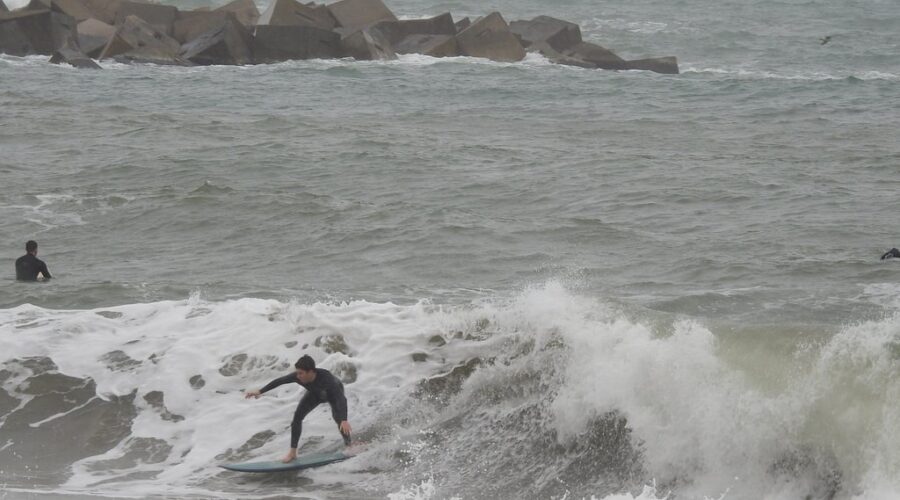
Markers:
point(321, 387)
point(825, 39)
point(29, 267)
point(891, 254)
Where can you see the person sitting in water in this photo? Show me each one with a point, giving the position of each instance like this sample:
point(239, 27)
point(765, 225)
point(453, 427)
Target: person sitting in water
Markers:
point(321, 386)
point(29, 267)
point(891, 254)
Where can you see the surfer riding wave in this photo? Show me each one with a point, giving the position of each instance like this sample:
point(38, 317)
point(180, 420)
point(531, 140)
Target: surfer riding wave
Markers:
point(321, 387)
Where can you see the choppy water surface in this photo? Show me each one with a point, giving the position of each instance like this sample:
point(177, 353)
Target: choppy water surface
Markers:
point(537, 281)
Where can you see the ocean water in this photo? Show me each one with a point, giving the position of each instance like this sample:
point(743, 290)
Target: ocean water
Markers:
point(536, 281)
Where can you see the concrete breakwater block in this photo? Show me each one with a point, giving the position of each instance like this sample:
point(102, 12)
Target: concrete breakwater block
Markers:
point(192, 24)
point(559, 58)
point(557, 34)
point(161, 17)
point(73, 57)
point(138, 41)
point(229, 43)
point(491, 38)
point(104, 10)
point(429, 45)
point(293, 13)
point(272, 44)
point(35, 32)
point(667, 65)
point(599, 56)
point(77, 9)
point(244, 10)
point(395, 31)
point(93, 35)
point(237, 33)
point(368, 44)
point(354, 15)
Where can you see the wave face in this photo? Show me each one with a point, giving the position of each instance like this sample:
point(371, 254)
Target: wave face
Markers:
point(550, 394)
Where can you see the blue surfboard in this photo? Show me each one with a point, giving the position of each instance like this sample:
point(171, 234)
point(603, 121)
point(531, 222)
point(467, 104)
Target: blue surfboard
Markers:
point(302, 462)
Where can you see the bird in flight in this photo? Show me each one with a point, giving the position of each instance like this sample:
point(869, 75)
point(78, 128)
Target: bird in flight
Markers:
point(825, 39)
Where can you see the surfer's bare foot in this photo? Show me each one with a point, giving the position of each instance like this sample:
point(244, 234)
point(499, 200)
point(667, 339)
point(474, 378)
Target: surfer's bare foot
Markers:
point(290, 456)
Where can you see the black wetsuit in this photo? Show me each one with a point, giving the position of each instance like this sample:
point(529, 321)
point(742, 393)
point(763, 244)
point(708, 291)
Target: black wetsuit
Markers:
point(891, 254)
point(326, 388)
point(28, 266)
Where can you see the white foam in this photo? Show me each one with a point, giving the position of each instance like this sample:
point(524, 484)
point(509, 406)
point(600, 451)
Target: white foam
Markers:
point(35, 425)
point(403, 60)
point(185, 344)
point(813, 76)
point(422, 491)
point(49, 213)
point(17, 61)
point(648, 493)
point(700, 421)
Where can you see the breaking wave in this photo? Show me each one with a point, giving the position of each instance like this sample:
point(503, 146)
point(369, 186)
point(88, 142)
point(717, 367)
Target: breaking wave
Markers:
point(548, 394)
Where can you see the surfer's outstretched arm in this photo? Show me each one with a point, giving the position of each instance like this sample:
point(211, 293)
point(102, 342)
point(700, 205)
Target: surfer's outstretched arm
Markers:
point(287, 379)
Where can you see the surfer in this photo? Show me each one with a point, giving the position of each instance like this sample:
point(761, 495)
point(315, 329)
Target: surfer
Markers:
point(891, 254)
point(28, 266)
point(321, 386)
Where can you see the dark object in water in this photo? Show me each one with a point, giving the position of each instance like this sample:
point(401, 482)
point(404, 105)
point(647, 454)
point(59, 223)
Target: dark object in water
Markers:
point(891, 254)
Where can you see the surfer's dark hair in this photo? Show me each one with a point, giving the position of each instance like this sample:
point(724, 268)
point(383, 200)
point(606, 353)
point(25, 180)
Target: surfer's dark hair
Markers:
point(305, 363)
point(30, 246)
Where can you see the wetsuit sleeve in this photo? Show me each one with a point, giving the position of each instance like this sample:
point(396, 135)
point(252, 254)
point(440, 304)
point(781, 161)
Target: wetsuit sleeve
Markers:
point(287, 379)
point(21, 272)
point(337, 400)
point(43, 269)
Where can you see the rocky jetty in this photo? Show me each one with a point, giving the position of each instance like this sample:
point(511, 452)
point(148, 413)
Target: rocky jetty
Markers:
point(78, 32)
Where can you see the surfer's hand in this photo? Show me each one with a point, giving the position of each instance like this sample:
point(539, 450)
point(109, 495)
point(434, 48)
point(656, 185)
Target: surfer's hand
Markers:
point(345, 428)
point(290, 456)
point(252, 394)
